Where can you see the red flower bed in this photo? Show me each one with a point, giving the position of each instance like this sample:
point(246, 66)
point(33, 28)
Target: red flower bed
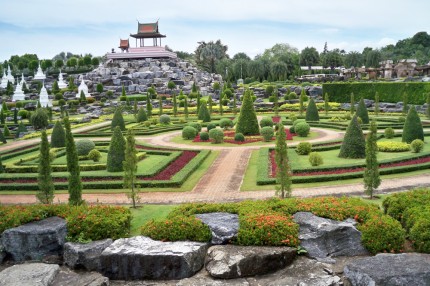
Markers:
point(175, 166)
point(276, 119)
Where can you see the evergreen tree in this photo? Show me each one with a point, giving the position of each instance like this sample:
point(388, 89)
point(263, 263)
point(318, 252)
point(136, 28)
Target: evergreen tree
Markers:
point(220, 106)
point(2, 168)
point(130, 167)
point(326, 104)
point(15, 115)
point(116, 155)
point(40, 119)
point(372, 180)
point(362, 112)
point(301, 101)
point(45, 195)
point(58, 136)
point(2, 117)
point(413, 129)
point(6, 131)
point(50, 114)
point(234, 104)
point(148, 105)
point(71, 84)
point(74, 180)
point(428, 106)
point(135, 110)
point(4, 107)
point(210, 105)
point(171, 85)
point(21, 129)
point(82, 98)
point(353, 145)
point(141, 115)
point(312, 111)
point(2, 138)
point(283, 170)
point(123, 94)
point(118, 120)
point(198, 96)
point(352, 107)
point(376, 104)
point(38, 105)
point(405, 103)
point(186, 107)
point(175, 105)
point(275, 101)
point(247, 124)
point(55, 87)
point(204, 113)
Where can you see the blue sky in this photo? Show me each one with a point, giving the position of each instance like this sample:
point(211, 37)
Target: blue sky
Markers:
point(48, 27)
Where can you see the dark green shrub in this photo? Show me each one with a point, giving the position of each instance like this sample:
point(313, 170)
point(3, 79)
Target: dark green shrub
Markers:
point(94, 155)
point(312, 111)
point(302, 129)
point(401, 119)
point(396, 204)
point(116, 153)
point(266, 121)
point(118, 120)
point(189, 132)
point(204, 136)
point(267, 133)
point(2, 139)
point(420, 234)
point(353, 145)
point(6, 131)
point(292, 129)
point(389, 133)
point(216, 135)
point(196, 126)
point(39, 119)
point(164, 119)
point(239, 137)
point(304, 148)
point(417, 145)
point(225, 123)
point(210, 126)
point(204, 113)
point(362, 112)
point(58, 136)
point(413, 128)
point(315, 159)
point(21, 129)
point(247, 124)
point(84, 146)
point(141, 115)
point(23, 113)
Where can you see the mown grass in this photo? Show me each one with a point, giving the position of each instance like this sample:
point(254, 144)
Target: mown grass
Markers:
point(145, 213)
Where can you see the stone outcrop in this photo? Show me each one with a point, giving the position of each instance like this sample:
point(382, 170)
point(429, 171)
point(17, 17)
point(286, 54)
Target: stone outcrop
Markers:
point(143, 258)
point(325, 238)
point(230, 261)
point(86, 256)
point(224, 226)
point(36, 240)
point(390, 269)
point(2, 253)
point(67, 277)
point(33, 274)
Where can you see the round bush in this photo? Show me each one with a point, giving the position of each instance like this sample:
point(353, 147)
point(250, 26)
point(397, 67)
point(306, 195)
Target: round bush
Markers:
point(389, 133)
point(239, 137)
point(297, 121)
point(164, 119)
point(267, 133)
point(304, 148)
point(52, 155)
point(417, 145)
point(392, 146)
point(84, 146)
point(204, 136)
point(315, 159)
point(210, 126)
point(302, 129)
point(23, 114)
point(147, 123)
point(266, 121)
point(225, 123)
point(292, 129)
point(196, 126)
point(216, 135)
point(420, 235)
point(401, 119)
point(189, 132)
point(94, 155)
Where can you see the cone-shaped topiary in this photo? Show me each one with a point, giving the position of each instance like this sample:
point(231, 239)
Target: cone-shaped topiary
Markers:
point(247, 124)
point(204, 113)
point(116, 153)
point(141, 115)
point(45, 195)
point(21, 129)
point(362, 112)
point(74, 179)
point(118, 120)
point(353, 145)
point(58, 137)
point(413, 129)
point(312, 111)
point(2, 139)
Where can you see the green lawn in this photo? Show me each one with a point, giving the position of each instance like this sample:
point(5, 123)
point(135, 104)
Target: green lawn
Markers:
point(145, 213)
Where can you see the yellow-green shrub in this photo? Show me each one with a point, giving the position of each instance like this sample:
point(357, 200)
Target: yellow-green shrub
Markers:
point(391, 146)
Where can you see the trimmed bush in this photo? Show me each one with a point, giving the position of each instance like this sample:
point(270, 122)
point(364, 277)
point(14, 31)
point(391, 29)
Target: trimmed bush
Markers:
point(210, 126)
point(267, 133)
point(94, 155)
point(304, 148)
point(116, 153)
point(247, 124)
point(312, 111)
point(315, 159)
point(164, 119)
point(40, 119)
point(189, 132)
point(204, 136)
point(118, 120)
point(392, 146)
point(413, 128)
point(417, 146)
point(396, 204)
point(196, 126)
point(141, 115)
point(204, 114)
point(58, 136)
point(266, 121)
point(362, 112)
point(239, 137)
point(225, 123)
point(2, 139)
point(389, 133)
point(420, 234)
point(216, 135)
point(354, 144)
point(84, 146)
point(302, 129)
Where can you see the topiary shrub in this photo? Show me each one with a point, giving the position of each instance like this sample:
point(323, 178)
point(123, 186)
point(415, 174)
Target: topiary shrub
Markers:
point(292, 130)
point(84, 146)
point(164, 119)
point(315, 159)
point(312, 111)
point(417, 145)
point(413, 128)
point(389, 133)
point(304, 148)
point(216, 135)
point(354, 144)
point(302, 129)
point(196, 126)
point(266, 121)
point(204, 136)
point(210, 126)
point(267, 133)
point(204, 114)
point(189, 132)
point(118, 120)
point(247, 124)
point(225, 123)
point(58, 136)
point(116, 154)
point(239, 137)
point(94, 155)
point(392, 146)
point(362, 112)
point(141, 115)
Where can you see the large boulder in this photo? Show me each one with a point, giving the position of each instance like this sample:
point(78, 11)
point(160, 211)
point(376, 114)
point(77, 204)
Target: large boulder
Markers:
point(87, 256)
point(36, 240)
point(390, 269)
point(2, 253)
point(33, 274)
point(82, 278)
point(325, 238)
point(140, 257)
point(231, 261)
point(224, 226)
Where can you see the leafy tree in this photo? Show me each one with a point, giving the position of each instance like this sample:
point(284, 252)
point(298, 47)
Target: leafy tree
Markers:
point(353, 145)
point(99, 87)
point(2, 138)
point(141, 115)
point(204, 113)
point(58, 137)
point(59, 64)
point(74, 180)
point(40, 119)
point(130, 167)
point(428, 106)
point(247, 124)
point(376, 104)
point(301, 101)
point(353, 59)
point(312, 111)
point(352, 107)
point(309, 57)
point(116, 153)
point(413, 129)
point(118, 120)
point(372, 180)
point(95, 61)
point(362, 112)
point(326, 104)
point(278, 70)
point(45, 195)
point(373, 58)
point(207, 55)
point(283, 169)
point(333, 59)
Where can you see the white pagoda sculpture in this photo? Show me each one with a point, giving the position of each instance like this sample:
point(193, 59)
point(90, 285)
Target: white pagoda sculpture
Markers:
point(61, 83)
point(44, 97)
point(18, 94)
point(40, 75)
point(82, 87)
point(4, 80)
point(10, 76)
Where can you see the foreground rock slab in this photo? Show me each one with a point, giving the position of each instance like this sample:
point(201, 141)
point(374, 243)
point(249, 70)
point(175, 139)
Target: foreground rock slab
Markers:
point(230, 261)
point(224, 226)
point(33, 274)
point(36, 240)
point(86, 256)
point(390, 269)
point(140, 257)
point(324, 238)
point(67, 277)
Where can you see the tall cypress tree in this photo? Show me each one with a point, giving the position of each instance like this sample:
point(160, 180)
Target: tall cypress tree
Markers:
point(405, 103)
point(74, 180)
point(116, 155)
point(45, 195)
point(210, 105)
point(6, 131)
point(135, 110)
point(312, 111)
point(160, 105)
point(148, 105)
point(413, 129)
point(198, 96)
point(326, 104)
point(376, 103)
point(362, 112)
point(186, 107)
point(220, 106)
point(428, 106)
point(301, 101)
point(372, 180)
point(2, 117)
point(175, 105)
point(283, 170)
point(247, 124)
point(2, 138)
point(58, 137)
point(15, 115)
point(234, 104)
point(130, 167)
point(352, 107)
point(275, 101)
point(353, 145)
point(118, 120)
point(2, 169)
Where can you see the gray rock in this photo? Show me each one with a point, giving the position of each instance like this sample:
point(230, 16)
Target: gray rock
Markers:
point(143, 258)
point(36, 240)
point(87, 256)
point(325, 238)
point(224, 226)
point(2, 252)
point(32, 274)
point(231, 261)
point(67, 277)
point(390, 269)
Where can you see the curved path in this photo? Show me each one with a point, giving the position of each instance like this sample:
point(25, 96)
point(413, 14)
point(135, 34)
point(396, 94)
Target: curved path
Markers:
point(224, 177)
